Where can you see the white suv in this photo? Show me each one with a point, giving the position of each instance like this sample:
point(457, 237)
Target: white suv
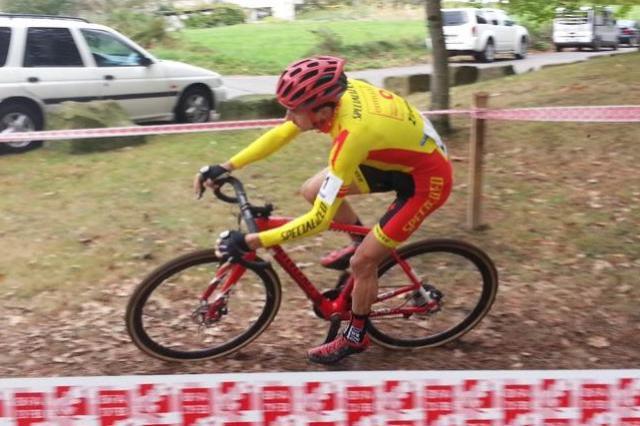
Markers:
point(483, 33)
point(46, 60)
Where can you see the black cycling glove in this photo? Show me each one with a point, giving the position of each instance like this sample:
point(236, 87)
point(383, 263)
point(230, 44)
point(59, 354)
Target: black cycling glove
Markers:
point(231, 244)
point(212, 172)
point(208, 172)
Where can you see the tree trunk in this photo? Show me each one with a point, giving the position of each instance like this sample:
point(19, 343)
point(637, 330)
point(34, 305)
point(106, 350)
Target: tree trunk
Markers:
point(440, 76)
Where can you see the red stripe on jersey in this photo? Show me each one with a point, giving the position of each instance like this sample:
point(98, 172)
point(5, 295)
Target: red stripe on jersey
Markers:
point(339, 141)
point(404, 157)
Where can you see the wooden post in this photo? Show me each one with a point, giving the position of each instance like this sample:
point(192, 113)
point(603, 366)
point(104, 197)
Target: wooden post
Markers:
point(476, 154)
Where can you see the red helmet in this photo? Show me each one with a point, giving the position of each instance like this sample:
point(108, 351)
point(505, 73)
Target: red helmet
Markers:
point(312, 82)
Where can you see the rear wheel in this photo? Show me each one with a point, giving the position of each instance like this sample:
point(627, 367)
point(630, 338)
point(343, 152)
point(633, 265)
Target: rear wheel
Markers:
point(488, 54)
point(19, 117)
point(462, 277)
point(164, 314)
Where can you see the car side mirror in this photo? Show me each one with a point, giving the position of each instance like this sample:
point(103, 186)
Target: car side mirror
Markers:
point(145, 61)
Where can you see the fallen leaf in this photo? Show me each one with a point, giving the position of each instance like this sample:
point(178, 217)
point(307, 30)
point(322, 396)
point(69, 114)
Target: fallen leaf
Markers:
point(598, 342)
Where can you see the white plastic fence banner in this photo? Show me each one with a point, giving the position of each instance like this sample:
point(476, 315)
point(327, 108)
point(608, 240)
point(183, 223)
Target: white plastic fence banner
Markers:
point(394, 398)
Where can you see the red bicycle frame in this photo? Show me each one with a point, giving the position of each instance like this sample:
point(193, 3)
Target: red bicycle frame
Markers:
point(328, 308)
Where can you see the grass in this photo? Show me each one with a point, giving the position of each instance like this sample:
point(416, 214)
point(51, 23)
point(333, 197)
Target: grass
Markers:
point(367, 36)
point(632, 13)
point(558, 197)
point(267, 48)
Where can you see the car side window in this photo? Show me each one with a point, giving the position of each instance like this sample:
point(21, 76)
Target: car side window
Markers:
point(51, 47)
point(491, 18)
point(5, 39)
point(109, 51)
point(480, 19)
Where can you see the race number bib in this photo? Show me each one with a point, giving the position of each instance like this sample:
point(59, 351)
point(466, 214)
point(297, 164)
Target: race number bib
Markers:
point(430, 131)
point(330, 188)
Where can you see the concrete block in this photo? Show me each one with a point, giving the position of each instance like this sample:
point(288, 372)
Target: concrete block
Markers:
point(251, 107)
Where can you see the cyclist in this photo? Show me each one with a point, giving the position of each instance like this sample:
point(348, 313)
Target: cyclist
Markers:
point(380, 143)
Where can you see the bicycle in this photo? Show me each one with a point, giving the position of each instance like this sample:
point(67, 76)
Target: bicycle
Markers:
point(231, 303)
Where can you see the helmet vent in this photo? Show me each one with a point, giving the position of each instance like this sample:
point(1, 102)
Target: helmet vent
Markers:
point(287, 90)
point(298, 94)
point(323, 80)
point(309, 75)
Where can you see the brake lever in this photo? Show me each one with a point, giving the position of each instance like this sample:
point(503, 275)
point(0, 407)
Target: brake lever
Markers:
point(259, 264)
point(249, 264)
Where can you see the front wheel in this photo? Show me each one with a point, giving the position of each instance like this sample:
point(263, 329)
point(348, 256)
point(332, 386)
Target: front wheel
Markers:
point(167, 318)
point(460, 275)
point(18, 117)
point(194, 106)
point(521, 53)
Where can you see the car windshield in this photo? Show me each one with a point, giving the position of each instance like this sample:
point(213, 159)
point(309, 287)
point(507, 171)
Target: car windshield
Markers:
point(454, 17)
point(575, 17)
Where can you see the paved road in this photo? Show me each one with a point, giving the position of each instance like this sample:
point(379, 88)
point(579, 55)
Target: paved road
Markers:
point(244, 85)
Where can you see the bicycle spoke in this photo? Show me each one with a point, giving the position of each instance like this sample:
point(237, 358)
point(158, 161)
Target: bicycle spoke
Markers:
point(457, 279)
point(168, 316)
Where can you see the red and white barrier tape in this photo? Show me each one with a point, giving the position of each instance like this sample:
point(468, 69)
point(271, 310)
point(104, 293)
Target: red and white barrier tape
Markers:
point(600, 114)
point(163, 129)
point(618, 113)
point(397, 398)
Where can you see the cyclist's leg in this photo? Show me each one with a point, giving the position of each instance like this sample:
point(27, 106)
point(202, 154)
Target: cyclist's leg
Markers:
point(354, 338)
point(405, 215)
point(416, 200)
point(364, 266)
point(418, 196)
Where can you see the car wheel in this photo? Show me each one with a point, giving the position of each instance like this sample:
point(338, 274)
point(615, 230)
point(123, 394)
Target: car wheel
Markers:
point(488, 54)
point(16, 118)
point(194, 106)
point(521, 53)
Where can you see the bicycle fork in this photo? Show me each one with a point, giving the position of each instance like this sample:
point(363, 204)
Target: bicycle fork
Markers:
point(207, 312)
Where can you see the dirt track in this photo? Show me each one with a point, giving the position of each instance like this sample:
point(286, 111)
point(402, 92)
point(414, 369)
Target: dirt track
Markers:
point(532, 329)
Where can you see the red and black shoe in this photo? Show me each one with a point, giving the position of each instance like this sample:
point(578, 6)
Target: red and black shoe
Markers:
point(336, 350)
point(339, 259)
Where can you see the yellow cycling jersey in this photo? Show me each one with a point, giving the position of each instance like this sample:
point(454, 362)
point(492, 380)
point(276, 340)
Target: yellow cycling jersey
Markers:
point(371, 126)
